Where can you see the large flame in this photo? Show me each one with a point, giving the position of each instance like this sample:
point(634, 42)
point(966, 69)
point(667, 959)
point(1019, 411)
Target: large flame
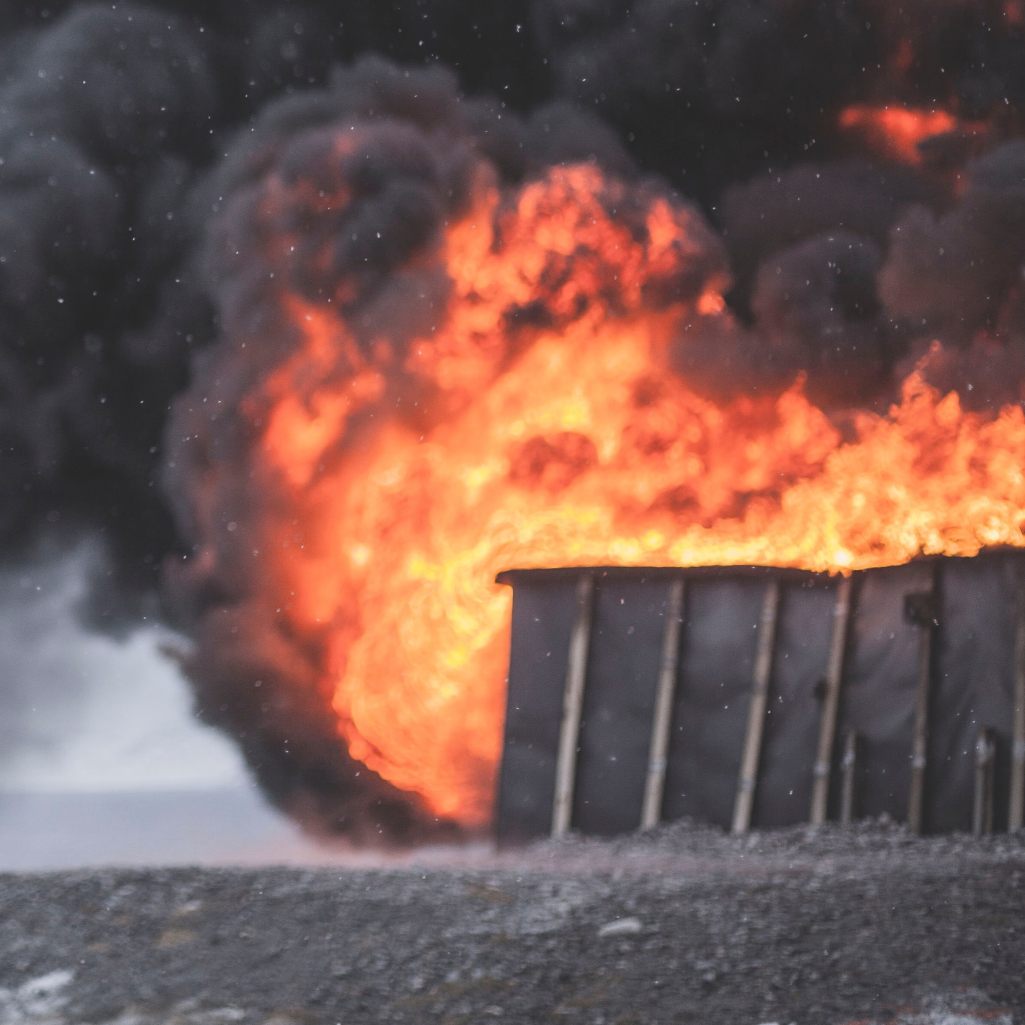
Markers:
point(570, 443)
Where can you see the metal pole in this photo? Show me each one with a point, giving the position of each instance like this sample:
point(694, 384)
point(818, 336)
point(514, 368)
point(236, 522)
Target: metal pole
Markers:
point(831, 703)
point(573, 703)
point(849, 765)
point(651, 811)
point(982, 811)
point(1017, 805)
point(922, 610)
point(756, 714)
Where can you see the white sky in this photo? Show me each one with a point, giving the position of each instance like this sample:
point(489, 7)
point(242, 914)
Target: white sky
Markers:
point(101, 761)
point(84, 713)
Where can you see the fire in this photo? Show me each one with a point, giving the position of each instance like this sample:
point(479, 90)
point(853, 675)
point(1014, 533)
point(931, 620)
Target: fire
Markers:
point(404, 483)
point(897, 132)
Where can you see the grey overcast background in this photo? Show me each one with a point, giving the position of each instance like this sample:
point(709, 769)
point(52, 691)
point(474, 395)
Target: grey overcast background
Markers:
point(101, 759)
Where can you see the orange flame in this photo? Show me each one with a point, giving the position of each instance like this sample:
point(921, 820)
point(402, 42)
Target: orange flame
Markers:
point(570, 443)
point(897, 132)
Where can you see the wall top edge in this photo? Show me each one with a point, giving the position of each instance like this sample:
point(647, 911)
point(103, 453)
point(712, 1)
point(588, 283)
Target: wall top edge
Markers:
point(557, 574)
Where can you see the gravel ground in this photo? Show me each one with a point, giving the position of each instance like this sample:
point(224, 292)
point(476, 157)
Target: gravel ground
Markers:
point(681, 925)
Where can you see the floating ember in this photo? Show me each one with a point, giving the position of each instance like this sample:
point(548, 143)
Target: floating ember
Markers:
point(897, 132)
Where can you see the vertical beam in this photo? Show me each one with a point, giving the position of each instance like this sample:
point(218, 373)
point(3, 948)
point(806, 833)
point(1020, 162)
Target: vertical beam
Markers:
point(1016, 812)
point(920, 743)
point(662, 722)
point(573, 703)
point(849, 766)
point(982, 810)
point(831, 702)
point(756, 715)
point(921, 609)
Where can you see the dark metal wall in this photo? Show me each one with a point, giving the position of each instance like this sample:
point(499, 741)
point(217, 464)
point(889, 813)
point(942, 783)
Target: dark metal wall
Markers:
point(971, 684)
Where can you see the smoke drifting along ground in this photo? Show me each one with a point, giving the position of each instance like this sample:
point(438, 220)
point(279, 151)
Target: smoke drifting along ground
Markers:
point(181, 186)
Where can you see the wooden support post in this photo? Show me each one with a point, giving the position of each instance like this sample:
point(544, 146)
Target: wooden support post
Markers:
point(756, 714)
point(849, 768)
point(662, 722)
point(1016, 811)
point(831, 703)
point(922, 610)
point(573, 703)
point(985, 755)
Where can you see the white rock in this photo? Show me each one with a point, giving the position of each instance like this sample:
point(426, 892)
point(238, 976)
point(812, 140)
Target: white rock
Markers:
point(37, 1001)
point(621, 927)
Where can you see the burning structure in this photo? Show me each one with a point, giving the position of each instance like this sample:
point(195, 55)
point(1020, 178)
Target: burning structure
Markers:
point(324, 341)
point(720, 695)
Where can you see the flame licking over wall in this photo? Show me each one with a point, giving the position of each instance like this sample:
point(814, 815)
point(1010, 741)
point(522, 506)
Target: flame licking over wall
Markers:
point(405, 480)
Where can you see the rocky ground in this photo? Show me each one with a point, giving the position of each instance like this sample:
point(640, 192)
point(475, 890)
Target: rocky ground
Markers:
point(681, 925)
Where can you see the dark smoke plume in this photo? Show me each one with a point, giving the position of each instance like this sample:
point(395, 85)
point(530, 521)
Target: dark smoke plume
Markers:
point(103, 120)
point(136, 142)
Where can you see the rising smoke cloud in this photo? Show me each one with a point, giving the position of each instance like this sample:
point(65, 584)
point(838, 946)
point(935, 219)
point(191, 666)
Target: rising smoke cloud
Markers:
point(138, 143)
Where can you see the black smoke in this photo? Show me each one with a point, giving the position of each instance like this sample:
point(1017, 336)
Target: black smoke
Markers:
point(132, 136)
